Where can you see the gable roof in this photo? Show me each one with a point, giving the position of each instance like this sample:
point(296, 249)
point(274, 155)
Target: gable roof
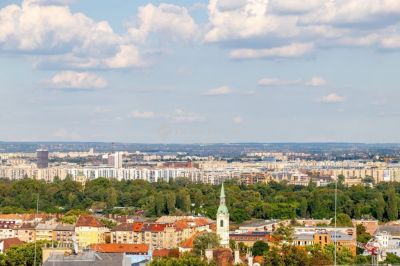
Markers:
point(88, 220)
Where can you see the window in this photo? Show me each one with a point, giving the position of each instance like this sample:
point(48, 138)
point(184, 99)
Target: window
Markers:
point(221, 223)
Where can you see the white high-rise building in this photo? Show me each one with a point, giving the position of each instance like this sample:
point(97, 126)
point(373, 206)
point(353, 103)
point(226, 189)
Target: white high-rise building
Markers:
point(223, 220)
point(118, 160)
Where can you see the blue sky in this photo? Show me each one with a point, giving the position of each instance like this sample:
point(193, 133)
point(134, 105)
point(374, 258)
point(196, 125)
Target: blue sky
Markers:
point(199, 71)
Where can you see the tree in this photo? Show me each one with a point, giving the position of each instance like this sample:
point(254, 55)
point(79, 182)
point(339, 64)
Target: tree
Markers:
point(303, 207)
point(284, 234)
point(24, 254)
point(343, 255)
point(380, 206)
point(342, 220)
point(259, 248)
point(205, 241)
point(362, 235)
point(392, 259)
point(170, 201)
point(391, 209)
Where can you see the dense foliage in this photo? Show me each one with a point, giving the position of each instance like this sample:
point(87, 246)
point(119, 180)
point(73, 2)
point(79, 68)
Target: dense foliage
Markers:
point(265, 201)
point(23, 254)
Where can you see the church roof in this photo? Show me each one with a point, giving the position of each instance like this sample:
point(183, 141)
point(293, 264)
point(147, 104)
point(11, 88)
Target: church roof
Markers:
point(222, 191)
point(222, 209)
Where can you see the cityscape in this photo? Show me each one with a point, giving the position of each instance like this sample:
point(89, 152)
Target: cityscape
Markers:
point(199, 132)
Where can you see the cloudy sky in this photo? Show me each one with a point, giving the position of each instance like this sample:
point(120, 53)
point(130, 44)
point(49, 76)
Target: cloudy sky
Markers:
point(196, 71)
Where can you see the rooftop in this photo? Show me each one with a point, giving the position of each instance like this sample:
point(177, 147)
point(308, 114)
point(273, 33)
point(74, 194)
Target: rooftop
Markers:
point(120, 248)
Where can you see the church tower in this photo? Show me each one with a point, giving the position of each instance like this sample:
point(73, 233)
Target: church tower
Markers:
point(223, 220)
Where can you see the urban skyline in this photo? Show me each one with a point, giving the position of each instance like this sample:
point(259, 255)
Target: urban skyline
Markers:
point(184, 72)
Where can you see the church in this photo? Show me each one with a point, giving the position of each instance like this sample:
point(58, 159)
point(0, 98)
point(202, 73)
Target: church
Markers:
point(223, 220)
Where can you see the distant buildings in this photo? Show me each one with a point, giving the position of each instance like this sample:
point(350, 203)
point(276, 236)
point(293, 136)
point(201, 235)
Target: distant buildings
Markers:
point(42, 158)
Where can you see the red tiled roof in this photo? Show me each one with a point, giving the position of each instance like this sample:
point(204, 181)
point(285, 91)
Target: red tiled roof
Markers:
point(137, 227)
point(8, 242)
point(157, 253)
point(120, 248)
point(157, 227)
point(87, 220)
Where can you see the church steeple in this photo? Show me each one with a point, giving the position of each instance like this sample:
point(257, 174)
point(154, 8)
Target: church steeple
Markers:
point(223, 219)
point(222, 195)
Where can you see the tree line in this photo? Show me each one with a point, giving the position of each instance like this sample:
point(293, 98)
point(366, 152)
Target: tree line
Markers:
point(264, 201)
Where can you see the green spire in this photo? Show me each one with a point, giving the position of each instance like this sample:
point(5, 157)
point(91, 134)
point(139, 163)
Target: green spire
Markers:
point(222, 191)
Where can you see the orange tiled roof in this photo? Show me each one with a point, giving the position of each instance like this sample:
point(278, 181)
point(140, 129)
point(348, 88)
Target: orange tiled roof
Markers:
point(87, 220)
point(120, 248)
point(188, 243)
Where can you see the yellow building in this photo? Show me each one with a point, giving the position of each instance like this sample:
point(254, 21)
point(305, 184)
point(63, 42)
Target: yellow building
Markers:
point(89, 230)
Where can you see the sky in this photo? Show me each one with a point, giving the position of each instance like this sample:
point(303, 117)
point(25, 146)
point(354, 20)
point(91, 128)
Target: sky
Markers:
point(192, 71)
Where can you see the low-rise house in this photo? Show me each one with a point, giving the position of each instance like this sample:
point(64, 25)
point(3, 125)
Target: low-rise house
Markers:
point(9, 242)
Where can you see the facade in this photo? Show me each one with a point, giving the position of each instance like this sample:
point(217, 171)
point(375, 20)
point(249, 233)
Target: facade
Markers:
point(89, 230)
point(7, 229)
point(250, 238)
point(343, 236)
point(45, 231)
point(160, 235)
point(64, 234)
point(26, 232)
point(42, 158)
point(223, 220)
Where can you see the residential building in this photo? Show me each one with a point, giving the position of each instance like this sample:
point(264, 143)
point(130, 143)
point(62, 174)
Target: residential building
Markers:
point(26, 232)
point(64, 234)
point(89, 230)
point(8, 229)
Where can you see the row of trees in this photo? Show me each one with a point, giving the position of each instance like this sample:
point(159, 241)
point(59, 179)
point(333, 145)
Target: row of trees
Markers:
point(265, 201)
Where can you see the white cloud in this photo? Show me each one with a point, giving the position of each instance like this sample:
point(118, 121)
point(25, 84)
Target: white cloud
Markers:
point(237, 120)
point(317, 82)
point(76, 80)
point(143, 114)
point(290, 6)
point(224, 90)
point(332, 98)
point(274, 82)
point(171, 21)
point(245, 24)
point(56, 38)
point(291, 50)
point(181, 116)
